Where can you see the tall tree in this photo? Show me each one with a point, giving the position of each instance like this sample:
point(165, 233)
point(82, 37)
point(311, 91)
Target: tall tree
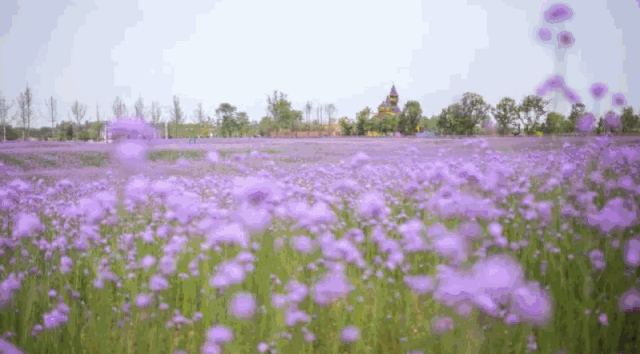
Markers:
point(52, 111)
point(330, 109)
point(530, 111)
point(505, 112)
point(200, 117)
point(307, 109)
point(177, 116)
point(156, 113)
point(78, 110)
point(361, 121)
point(242, 122)
point(629, 120)
point(139, 108)
point(319, 111)
point(409, 118)
point(473, 112)
point(4, 115)
point(226, 118)
point(119, 109)
point(449, 120)
point(553, 124)
point(25, 110)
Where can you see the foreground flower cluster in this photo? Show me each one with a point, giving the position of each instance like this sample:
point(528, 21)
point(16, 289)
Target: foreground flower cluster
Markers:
point(525, 251)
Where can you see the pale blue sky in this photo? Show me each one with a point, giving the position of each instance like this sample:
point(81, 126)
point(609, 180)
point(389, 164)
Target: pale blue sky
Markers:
point(342, 52)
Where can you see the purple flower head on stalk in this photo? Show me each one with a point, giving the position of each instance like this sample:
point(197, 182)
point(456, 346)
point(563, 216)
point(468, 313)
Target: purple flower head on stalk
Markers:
point(565, 39)
point(371, 205)
point(558, 13)
point(350, 334)
point(131, 154)
point(544, 34)
point(8, 348)
point(158, 283)
point(442, 325)
point(143, 300)
point(532, 304)
point(243, 305)
point(420, 284)
point(629, 301)
point(570, 95)
point(612, 121)
point(585, 123)
point(618, 100)
point(598, 91)
point(219, 334)
point(27, 224)
point(555, 82)
point(632, 252)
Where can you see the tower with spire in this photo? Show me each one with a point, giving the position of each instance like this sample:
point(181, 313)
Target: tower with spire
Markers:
point(390, 105)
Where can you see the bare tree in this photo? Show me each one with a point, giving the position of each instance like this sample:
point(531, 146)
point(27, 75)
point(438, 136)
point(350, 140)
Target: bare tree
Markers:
point(156, 113)
point(139, 107)
point(200, 117)
point(52, 111)
point(319, 114)
point(177, 116)
point(330, 109)
point(78, 110)
point(4, 111)
point(308, 108)
point(119, 109)
point(25, 112)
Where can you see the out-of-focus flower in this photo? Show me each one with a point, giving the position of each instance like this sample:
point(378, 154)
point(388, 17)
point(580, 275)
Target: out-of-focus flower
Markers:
point(330, 288)
point(350, 334)
point(629, 301)
point(532, 304)
point(372, 205)
point(143, 300)
point(544, 34)
point(303, 244)
point(8, 348)
point(243, 305)
point(570, 95)
point(158, 283)
point(565, 39)
point(585, 123)
point(27, 224)
point(420, 284)
point(219, 334)
point(612, 121)
point(442, 325)
point(558, 13)
point(131, 154)
point(632, 252)
point(618, 100)
point(616, 213)
point(256, 191)
point(598, 90)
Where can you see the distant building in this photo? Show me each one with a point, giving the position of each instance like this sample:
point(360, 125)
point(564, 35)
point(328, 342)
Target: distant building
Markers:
point(390, 105)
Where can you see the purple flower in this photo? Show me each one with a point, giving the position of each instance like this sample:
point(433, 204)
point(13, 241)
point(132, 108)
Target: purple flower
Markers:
point(210, 348)
point(255, 191)
point(131, 154)
point(143, 300)
point(598, 90)
point(629, 301)
point(158, 283)
point(243, 305)
point(632, 252)
point(570, 95)
point(442, 325)
point(219, 334)
point(531, 304)
point(330, 288)
point(603, 319)
point(27, 224)
point(420, 284)
point(616, 213)
point(147, 262)
point(293, 315)
point(229, 274)
point(585, 123)
point(558, 13)
point(565, 39)
point(618, 100)
point(350, 334)
point(167, 265)
point(65, 264)
point(303, 244)
point(54, 319)
point(213, 157)
point(555, 82)
point(544, 34)
point(372, 205)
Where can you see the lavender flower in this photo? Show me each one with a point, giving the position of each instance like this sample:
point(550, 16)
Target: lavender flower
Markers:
point(565, 39)
point(442, 325)
point(158, 283)
point(612, 121)
point(219, 334)
point(243, 305)
point(598, 90)
point(629, 301)
point(143, 300)
point(558, 13)
point(544, 34)
point(618, 100)
point(632, 252)
point(350, 334)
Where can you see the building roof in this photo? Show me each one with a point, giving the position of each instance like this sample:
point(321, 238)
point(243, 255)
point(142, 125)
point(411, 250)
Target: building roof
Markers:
point(396, 109)
point(393, 91)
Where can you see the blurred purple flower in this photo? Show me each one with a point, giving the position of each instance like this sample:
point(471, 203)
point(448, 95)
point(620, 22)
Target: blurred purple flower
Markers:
point(420, 284)
point(255, 191)
point(219, 334)
point(442, 325)
point(143, 300)
point(629, 301)
point(8, 348)
point(350, 334)
point(598, 91)
point(565, 39)
point(54, 319)
point(544, 34)
point(616, 213)
point(618, 100)
point(372, 205)
point(243, 305)
point(131, 128)
point(65, 264)
point(585, 123)
point(558, 13)
point(330, 288)
point(303, 244)
point(147, 262)
point(532, 304)
point(570, 95)
point(632, 252)
point(27, 224)
point(131, 154)
point(158, 283)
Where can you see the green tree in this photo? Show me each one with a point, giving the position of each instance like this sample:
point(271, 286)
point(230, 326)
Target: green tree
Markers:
point(472, 113)
point(265, 127)
point(226, 117)
point(629, 120)
point(505, 112)
point(242, 122)
point(553, 123)
point(177, 116)
point(361, 121)
point(530, 111)
point(346, 126)
point(409, 118)
point(450, 121)
point(388, 124)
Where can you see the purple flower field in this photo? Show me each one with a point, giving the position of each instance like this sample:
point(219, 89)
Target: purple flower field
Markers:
point(497, 245)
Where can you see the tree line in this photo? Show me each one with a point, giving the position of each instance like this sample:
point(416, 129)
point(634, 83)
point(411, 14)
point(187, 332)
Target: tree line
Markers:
point(470, 115)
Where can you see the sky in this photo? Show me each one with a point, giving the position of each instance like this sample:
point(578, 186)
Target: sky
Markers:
point(348, 53)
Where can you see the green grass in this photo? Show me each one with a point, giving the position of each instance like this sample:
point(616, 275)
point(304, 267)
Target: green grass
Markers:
point(11, 160)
